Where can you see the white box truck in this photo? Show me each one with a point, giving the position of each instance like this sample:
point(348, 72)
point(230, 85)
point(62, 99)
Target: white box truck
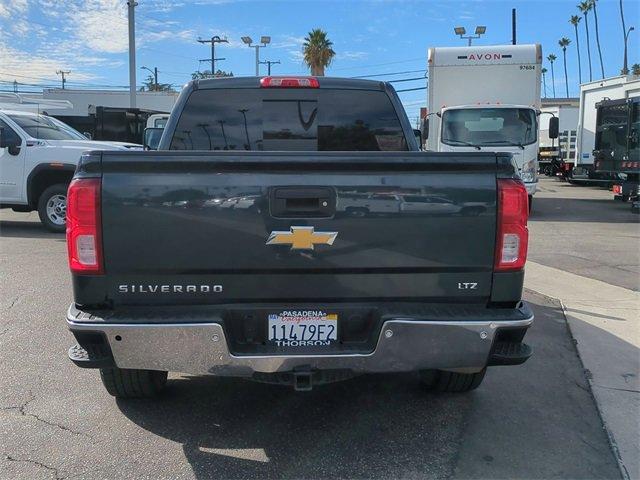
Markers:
point(487, 98)
point(604, 124)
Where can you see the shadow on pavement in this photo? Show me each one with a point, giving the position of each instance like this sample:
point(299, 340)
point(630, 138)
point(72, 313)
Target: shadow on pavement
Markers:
point(20, 229)
point(537, 420)
point(556, 209)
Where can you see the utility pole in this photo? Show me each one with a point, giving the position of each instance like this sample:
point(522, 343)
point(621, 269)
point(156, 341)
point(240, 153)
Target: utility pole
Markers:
point(154, 72)
point(131, 4)
point(215, 39)
point(265, 40)
point(268, 63)
point(63, 73)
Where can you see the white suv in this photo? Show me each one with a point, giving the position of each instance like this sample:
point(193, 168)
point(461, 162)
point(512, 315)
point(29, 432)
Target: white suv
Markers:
point(38, 155)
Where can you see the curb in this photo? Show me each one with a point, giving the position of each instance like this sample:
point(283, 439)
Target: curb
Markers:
point(624, 473)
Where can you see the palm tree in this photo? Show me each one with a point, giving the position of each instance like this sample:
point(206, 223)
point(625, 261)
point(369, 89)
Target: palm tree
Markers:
point(317, 51)
point(575, 20)
point(552, 58)
point(584, 7)
point(544, 80)
point(564, 43)
point(595, 18)
point(635, 69)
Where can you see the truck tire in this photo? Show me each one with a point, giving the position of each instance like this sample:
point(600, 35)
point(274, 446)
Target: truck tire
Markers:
point(125, 383)
point(451, 382)
point(52, 208)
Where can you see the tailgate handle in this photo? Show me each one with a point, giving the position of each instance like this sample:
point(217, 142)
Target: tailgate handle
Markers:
point(313, 202)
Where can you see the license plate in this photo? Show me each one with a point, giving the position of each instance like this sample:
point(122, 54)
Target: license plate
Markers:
point(303, 328)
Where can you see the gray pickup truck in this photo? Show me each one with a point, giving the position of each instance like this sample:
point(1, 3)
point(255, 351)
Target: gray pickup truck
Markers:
point(229, 251)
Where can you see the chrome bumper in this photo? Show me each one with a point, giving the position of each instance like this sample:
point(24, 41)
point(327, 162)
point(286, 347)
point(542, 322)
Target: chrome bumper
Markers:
point(531, 187)
point(201, 348)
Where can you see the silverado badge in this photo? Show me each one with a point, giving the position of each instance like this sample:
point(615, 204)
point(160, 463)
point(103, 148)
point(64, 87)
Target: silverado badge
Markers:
point(302, 238)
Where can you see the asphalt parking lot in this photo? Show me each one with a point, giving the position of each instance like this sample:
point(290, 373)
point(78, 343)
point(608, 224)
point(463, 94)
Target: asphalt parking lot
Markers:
point(538, 420)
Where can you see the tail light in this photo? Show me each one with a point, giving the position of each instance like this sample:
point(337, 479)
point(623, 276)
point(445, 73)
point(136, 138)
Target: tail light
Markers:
point(84, 236)
point(289, 82)
point(617, 189)
point(513, 236)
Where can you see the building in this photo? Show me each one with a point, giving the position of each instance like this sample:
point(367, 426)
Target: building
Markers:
point(106, 115)
point(85, 101)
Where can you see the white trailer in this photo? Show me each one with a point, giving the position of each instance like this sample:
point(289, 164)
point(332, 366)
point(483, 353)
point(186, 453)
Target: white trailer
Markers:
point(556, 154)
point(486, 98)
point(622, 87)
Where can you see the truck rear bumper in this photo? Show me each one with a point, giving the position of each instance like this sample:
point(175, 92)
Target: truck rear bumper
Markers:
point(403, 345)
point(531, 187)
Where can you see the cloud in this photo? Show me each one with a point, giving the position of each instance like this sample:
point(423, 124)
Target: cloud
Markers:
point(33, 69)
point(287, 41)
point(187, 35)
point(11, 8)
point(349, 55)
point(102, 25)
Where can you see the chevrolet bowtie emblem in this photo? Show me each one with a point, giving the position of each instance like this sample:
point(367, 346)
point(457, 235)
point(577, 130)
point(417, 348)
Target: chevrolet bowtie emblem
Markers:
point(302, 238)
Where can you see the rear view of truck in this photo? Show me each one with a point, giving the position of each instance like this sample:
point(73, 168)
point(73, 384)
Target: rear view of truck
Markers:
point(232, 250)
point(617, 146)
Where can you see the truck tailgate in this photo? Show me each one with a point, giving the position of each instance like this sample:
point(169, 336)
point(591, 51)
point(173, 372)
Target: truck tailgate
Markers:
point(225, 227)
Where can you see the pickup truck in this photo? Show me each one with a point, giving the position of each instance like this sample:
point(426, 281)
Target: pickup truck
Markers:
point(38, 156)
point(168, 279)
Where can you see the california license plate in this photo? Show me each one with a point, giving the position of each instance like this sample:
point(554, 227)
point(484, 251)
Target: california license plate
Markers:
point(303, 328)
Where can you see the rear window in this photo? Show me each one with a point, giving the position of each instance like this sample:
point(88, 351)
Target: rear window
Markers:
point(290, 120)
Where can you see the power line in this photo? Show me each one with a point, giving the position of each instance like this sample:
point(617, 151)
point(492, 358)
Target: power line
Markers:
point(411, 89)
point(268, 63)
point(391, 73)
point(407, 79)
point(382, 64)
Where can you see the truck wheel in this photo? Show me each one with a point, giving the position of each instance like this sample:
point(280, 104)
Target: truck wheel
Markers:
point(52, 207)
point(452, 382)
point(124, 383)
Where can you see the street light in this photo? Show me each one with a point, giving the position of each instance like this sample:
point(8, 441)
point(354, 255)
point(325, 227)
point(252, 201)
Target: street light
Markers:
point(265, 40)
point(460, 31)
point(154, 72)
point(625, 67)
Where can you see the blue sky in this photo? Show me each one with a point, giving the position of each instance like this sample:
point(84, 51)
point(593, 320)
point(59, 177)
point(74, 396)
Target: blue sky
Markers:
point(89, 37)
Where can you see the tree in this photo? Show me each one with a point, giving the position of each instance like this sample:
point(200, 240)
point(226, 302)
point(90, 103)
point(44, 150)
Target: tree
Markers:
point(317, 51)
point(552, 58)
point(544, 80)
point(564, 43)
point(207, 74)
point(635, 69)
point(595, 19)
point(584, 7)
point(149, 85)
point(575, 20)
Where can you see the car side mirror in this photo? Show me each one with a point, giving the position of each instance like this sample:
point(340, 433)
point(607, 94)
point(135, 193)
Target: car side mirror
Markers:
point(88, 135)
point(152, 136)
point(11, 144)
point(418, 134)
point(554, 127)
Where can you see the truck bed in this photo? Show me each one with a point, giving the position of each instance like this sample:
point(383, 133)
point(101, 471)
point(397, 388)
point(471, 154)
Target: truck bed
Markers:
point(173, 221)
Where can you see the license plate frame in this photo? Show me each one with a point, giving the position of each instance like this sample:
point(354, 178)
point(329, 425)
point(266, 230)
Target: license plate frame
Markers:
point(298, 329)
